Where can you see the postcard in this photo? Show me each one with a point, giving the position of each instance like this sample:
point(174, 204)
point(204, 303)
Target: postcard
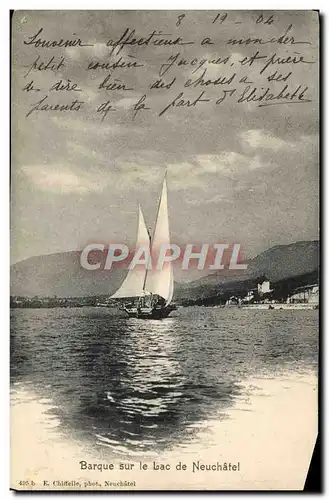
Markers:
point(164, 294)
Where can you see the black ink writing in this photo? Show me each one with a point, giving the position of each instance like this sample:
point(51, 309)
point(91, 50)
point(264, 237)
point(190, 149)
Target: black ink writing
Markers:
point(157, 39)
point(284, 39)
point(30, 86)
point(42, 105)
point(265, 96)
point(50, 65)
point(180, 102)
point(49, 44)
point(108, 84)
point(221, 17)
point(65, 86)
point(297, 58)
point(160, 84)
point(117, 64)
point(221, 80)
point(226, 93)
point(140, 106)
point(264, 20)
point(180, 19)
point(195, 62)
point(105, 108)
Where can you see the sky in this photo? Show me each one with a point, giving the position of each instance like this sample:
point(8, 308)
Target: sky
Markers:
point(236, 172)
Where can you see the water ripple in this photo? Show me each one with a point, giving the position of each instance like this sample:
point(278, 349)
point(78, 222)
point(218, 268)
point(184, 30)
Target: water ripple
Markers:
point(135, 385)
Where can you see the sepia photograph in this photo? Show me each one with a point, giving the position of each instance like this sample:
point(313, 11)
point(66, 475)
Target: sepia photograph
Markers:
point(165, 255)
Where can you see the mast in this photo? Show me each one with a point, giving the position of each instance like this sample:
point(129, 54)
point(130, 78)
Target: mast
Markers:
point(149, 235)
point(160, 281)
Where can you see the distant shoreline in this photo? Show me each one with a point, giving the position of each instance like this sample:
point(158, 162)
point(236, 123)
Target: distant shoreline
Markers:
point(261, 307)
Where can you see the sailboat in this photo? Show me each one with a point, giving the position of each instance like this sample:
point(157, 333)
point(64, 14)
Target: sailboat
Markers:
point(147, 292)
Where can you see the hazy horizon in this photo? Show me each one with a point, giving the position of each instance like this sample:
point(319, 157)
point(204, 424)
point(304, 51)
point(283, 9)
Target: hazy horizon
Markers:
point(245, 258)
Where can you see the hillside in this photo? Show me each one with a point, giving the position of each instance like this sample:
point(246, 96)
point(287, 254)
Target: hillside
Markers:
point(61, 274)
point(278, 263)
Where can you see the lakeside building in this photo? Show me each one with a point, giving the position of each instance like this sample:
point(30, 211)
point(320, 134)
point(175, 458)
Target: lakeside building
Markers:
point(305, 295)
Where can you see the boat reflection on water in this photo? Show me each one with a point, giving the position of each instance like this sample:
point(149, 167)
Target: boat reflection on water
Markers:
point(145, 391)
point(128, 384)
point(148, 404)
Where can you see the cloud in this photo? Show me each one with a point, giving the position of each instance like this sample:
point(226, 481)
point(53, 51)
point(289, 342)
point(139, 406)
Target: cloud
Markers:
point(64, 180)
point(218, 198)
point(231, 163)
point(80, 53)
point(77, 152)
point(137, 176)
point(186, 176)
point(86, 126)
point(60, 179)
point(199, 172)
point(257, 138)
point(227, 161)
point(126, 103)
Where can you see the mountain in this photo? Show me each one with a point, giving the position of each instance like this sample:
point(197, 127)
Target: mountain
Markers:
point(61, 274)
point(278, 263)
point(285, 261)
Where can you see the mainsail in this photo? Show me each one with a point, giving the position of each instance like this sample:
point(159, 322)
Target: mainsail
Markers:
point(161, 281)
point(133, 285)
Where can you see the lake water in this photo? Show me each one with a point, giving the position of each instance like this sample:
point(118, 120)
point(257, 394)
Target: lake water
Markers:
point(131, 387)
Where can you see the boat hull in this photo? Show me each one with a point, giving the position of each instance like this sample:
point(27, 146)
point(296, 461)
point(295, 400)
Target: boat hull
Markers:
point(150, 313)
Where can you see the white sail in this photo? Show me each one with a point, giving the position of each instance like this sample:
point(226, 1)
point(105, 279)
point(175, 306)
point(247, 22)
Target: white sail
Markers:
point(161, 282)
point(133, 285)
